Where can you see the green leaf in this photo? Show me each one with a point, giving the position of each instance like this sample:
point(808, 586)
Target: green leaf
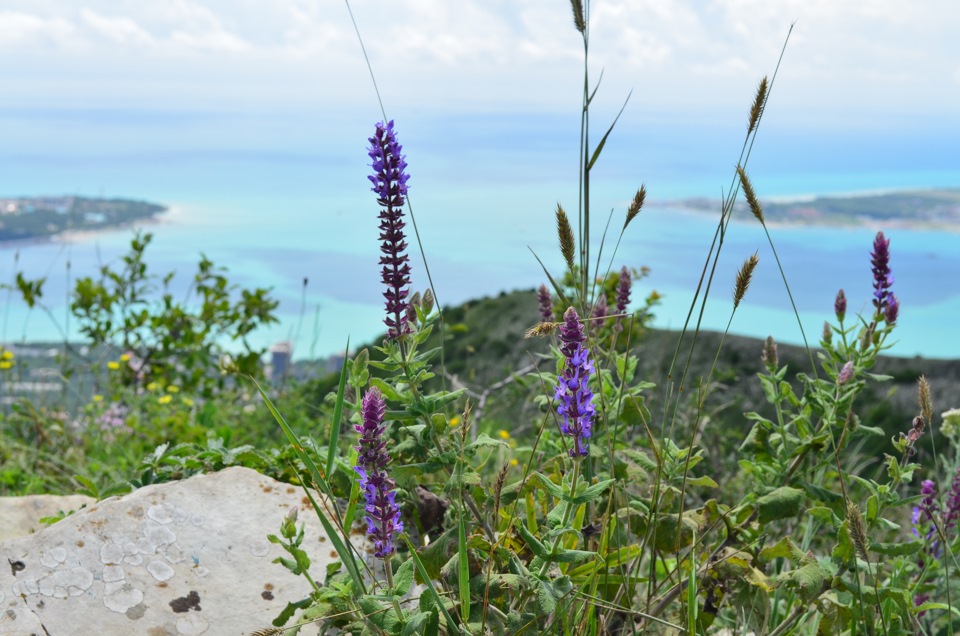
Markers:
point(784, 548)
point(781, 503)
point(844, 550)
point(590, 493)
point(924, 607)
point(536, 547)
point(702, 481)
point(416, 623)
point(484, 440)
point(403, 579)
point(381, 616)
point(603, 141)
point(548, 603)
point(554, 489)
point(89, 488)
point(808, 580)
point(905, 548)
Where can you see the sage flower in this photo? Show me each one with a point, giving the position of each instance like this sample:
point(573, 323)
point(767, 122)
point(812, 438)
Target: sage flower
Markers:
point(390, 183)
point(840, 306)
point(545, 304)
point(892, 310)
point(379, 490)
point(573, 389)
point(624, 287)
point(882, 278)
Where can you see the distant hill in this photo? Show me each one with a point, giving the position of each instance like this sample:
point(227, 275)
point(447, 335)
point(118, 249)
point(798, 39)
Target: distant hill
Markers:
point(31, 218)
point(934, 209)
point(485, 344)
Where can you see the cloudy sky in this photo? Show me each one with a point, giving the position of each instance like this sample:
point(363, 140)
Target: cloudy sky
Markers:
point(851, 62)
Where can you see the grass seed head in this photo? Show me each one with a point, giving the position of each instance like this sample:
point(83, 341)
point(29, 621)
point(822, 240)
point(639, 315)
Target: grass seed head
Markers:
point(568, 246)
point(636, 205)
point(743, 279)
point(751, 195)
point(579, 20)
point(756, 109)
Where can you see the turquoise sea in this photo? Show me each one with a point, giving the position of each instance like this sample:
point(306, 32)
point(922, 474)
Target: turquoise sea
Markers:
point(277, 200)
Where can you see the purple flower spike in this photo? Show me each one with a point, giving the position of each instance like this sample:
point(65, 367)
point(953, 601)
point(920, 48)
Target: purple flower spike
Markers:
point(953, 505)
point(840, 306)
point(600, 309)
point(882, 278)
point(846, 373)
point(390, 183)
point(893, 309)
point(623, 290)
point(545, 304)
point(379, 490)
point(573, 385)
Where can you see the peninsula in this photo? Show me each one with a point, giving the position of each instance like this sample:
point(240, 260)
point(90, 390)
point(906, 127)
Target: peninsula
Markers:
point(32, 218)
point(914, 209)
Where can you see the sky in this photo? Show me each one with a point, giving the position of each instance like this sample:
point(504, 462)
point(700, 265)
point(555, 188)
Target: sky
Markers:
point(849, 63)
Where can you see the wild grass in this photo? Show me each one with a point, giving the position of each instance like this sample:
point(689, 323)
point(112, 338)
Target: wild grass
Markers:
point(597, 498)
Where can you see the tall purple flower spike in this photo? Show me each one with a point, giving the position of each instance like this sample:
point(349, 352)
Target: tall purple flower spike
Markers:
point(390, 183)
point(379, 490)
point(882, 278)
point(545, 304)
point(624, 286)
point(573, 385)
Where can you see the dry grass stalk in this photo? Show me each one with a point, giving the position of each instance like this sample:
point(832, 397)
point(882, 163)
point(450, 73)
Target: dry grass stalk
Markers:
point(756, 109)
point(579, 20)
point(923, 398)
point(540, 329)
point(750, 195)
point(743, 279)
point(636, 205)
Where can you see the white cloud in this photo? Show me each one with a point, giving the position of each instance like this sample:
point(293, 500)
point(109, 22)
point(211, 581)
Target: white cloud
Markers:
point(21, 29)
point(120, 30)
point(501, 53)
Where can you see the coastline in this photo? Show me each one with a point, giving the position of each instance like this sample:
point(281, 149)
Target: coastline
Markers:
point(938, 210)
point(73, 237)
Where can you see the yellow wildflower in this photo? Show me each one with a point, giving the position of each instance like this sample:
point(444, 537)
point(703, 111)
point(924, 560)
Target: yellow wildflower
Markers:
point(164, 399)
point(5, 364)
point(173, 389)
point(503, 434)
point(152, 386)
point(514, 462)
point(7, 354)
point(455, 420)
point(113, 365)
point(98, 398)
point(125, 357)
point(187, 401)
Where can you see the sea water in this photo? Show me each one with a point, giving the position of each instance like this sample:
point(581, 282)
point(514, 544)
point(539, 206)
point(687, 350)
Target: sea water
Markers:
point(483, 193)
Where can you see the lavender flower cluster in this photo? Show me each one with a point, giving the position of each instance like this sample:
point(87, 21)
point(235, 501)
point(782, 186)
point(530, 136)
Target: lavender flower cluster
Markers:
point(390, 183)
point(379, 490)
point(573, 389)
point(884, 300)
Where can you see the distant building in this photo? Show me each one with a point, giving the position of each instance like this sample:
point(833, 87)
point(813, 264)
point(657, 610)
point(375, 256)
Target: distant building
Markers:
point(280, 357)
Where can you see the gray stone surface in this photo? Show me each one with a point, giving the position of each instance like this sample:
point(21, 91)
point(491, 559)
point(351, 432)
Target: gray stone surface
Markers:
point(182, 558)
point(21, 515)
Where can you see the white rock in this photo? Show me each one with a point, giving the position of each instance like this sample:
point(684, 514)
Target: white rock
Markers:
point(182, 558)
point(21, 515)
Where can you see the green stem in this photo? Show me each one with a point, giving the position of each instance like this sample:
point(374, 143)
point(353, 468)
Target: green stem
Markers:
point(567, 510)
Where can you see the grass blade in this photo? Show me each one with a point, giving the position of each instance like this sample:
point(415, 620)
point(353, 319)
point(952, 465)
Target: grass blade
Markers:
point(337, 414)
point(464, 570)
point(596, 153)
point(346, 556)
point(451, 625)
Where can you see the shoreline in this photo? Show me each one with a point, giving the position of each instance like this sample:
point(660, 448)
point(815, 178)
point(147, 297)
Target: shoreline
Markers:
point(866, 224)
point(72, 237)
